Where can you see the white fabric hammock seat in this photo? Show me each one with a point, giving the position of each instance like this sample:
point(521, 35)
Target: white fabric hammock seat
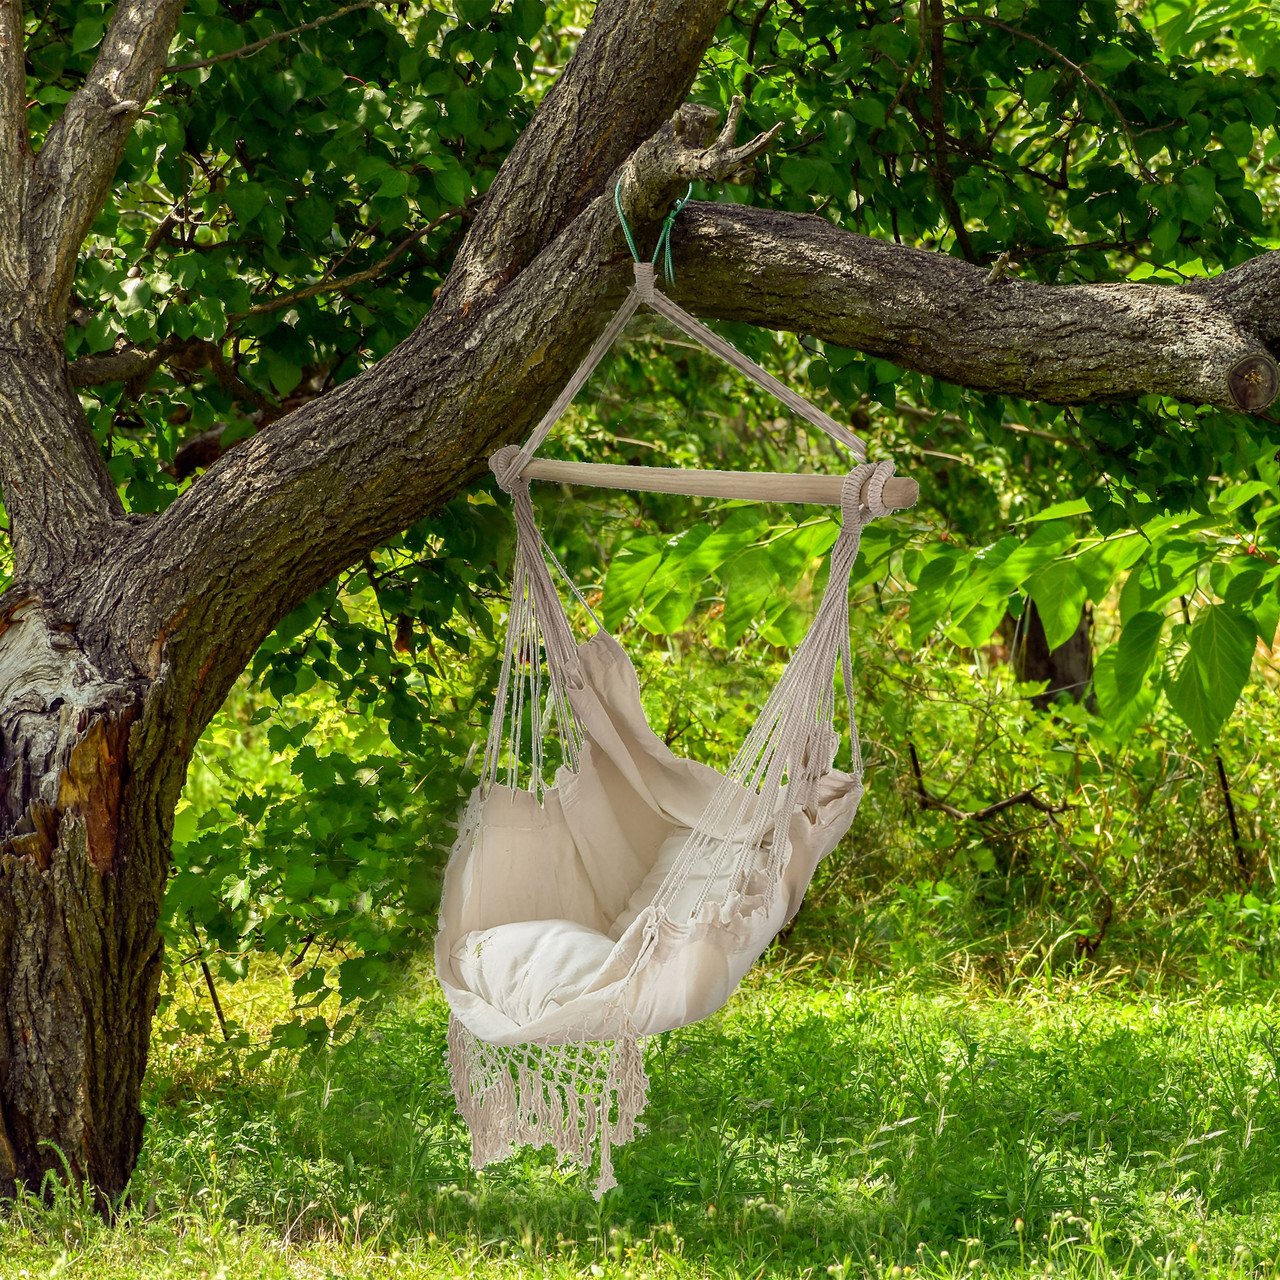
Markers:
point(632, 896)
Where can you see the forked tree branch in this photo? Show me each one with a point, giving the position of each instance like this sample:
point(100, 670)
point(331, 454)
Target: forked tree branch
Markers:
point(357, 277)
point(80, 155)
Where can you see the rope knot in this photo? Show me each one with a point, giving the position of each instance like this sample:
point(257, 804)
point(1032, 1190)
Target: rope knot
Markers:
point(506, 467)
point(645, 273)
point(864, 488)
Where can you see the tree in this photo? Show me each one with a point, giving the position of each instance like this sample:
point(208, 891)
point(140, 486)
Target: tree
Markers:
point(130, 617)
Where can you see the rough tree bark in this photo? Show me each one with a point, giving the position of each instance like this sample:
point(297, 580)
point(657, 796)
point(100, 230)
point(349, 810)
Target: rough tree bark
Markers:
point(121, 635)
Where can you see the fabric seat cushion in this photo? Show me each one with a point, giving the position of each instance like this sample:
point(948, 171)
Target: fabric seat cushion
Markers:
point(531, 968)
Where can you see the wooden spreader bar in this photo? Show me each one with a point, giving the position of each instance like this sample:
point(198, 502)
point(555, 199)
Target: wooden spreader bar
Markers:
point(754, 486)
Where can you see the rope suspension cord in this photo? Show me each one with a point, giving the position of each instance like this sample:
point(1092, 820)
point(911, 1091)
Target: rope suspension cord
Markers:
point(899, 493)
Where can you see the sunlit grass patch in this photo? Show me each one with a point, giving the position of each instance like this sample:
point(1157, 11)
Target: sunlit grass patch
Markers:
point(815, 1127)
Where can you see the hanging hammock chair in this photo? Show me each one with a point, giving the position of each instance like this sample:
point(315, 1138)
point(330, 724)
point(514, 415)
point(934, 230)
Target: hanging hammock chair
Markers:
point(633, 895)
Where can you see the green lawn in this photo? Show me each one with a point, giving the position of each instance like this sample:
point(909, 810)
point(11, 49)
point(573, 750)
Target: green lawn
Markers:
point(816, 1126)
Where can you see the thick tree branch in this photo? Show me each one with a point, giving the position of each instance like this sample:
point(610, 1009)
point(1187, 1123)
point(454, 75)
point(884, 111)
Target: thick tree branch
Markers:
point(15, 153)
point(293, 505)
point(1205, 343)
point(119, 366)
point(1250, 292)
point(630, 72)
point(61, 501)
point(78, 160)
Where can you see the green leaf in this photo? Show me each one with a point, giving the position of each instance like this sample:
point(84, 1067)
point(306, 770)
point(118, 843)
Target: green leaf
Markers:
point(527, 17)
point(1198, 194)
point(87, 34)
point(1037, 88)
point(314, 216)
point(1060, 510)
point(184, 824)
point(1168, 569)
point(1135, 653)
point(1110, 60)
point(1122, 713)
point(1099, 564)
point(1237, 495)
point(936, 584)
point(628, 575)
point(246, 200)
point(395, 182)
point(1266, 616)
point(1204, 682)
point(1059, 592)
point(209, 319)
point(1237, 138)
point(868, 111)
point(284, 374)
point(452, 182)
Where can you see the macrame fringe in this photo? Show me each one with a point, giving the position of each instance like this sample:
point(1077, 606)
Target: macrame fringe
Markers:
point(580, 1098)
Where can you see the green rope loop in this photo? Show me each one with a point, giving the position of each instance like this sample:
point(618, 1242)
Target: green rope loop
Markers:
point(622, 218)
point(663, 248)
point(664, 240)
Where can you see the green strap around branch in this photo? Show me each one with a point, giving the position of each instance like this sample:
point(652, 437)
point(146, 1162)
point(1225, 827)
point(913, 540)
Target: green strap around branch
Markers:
point(663, 247)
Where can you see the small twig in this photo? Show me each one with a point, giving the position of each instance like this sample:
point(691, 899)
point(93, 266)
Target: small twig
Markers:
point(1088, 944)
point(1027, 797)
point(208, 980)
point(911, 71)
point(213, 995)
point(1241, 861)
point(231, 381)
point(937, 100)
point(245, 50)
point(915, 767)
point(360, 277)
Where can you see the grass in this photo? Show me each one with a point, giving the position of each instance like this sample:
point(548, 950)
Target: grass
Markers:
point(822, 1124)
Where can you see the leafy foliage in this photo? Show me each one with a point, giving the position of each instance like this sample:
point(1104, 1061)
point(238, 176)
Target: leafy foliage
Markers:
point(284, 215)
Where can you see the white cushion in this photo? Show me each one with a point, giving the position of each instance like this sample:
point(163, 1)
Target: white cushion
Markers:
point(529, 969)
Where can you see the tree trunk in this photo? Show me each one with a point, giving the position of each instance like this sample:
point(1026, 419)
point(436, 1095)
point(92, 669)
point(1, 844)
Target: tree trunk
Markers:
point(1068, 668)
point(82, 870)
